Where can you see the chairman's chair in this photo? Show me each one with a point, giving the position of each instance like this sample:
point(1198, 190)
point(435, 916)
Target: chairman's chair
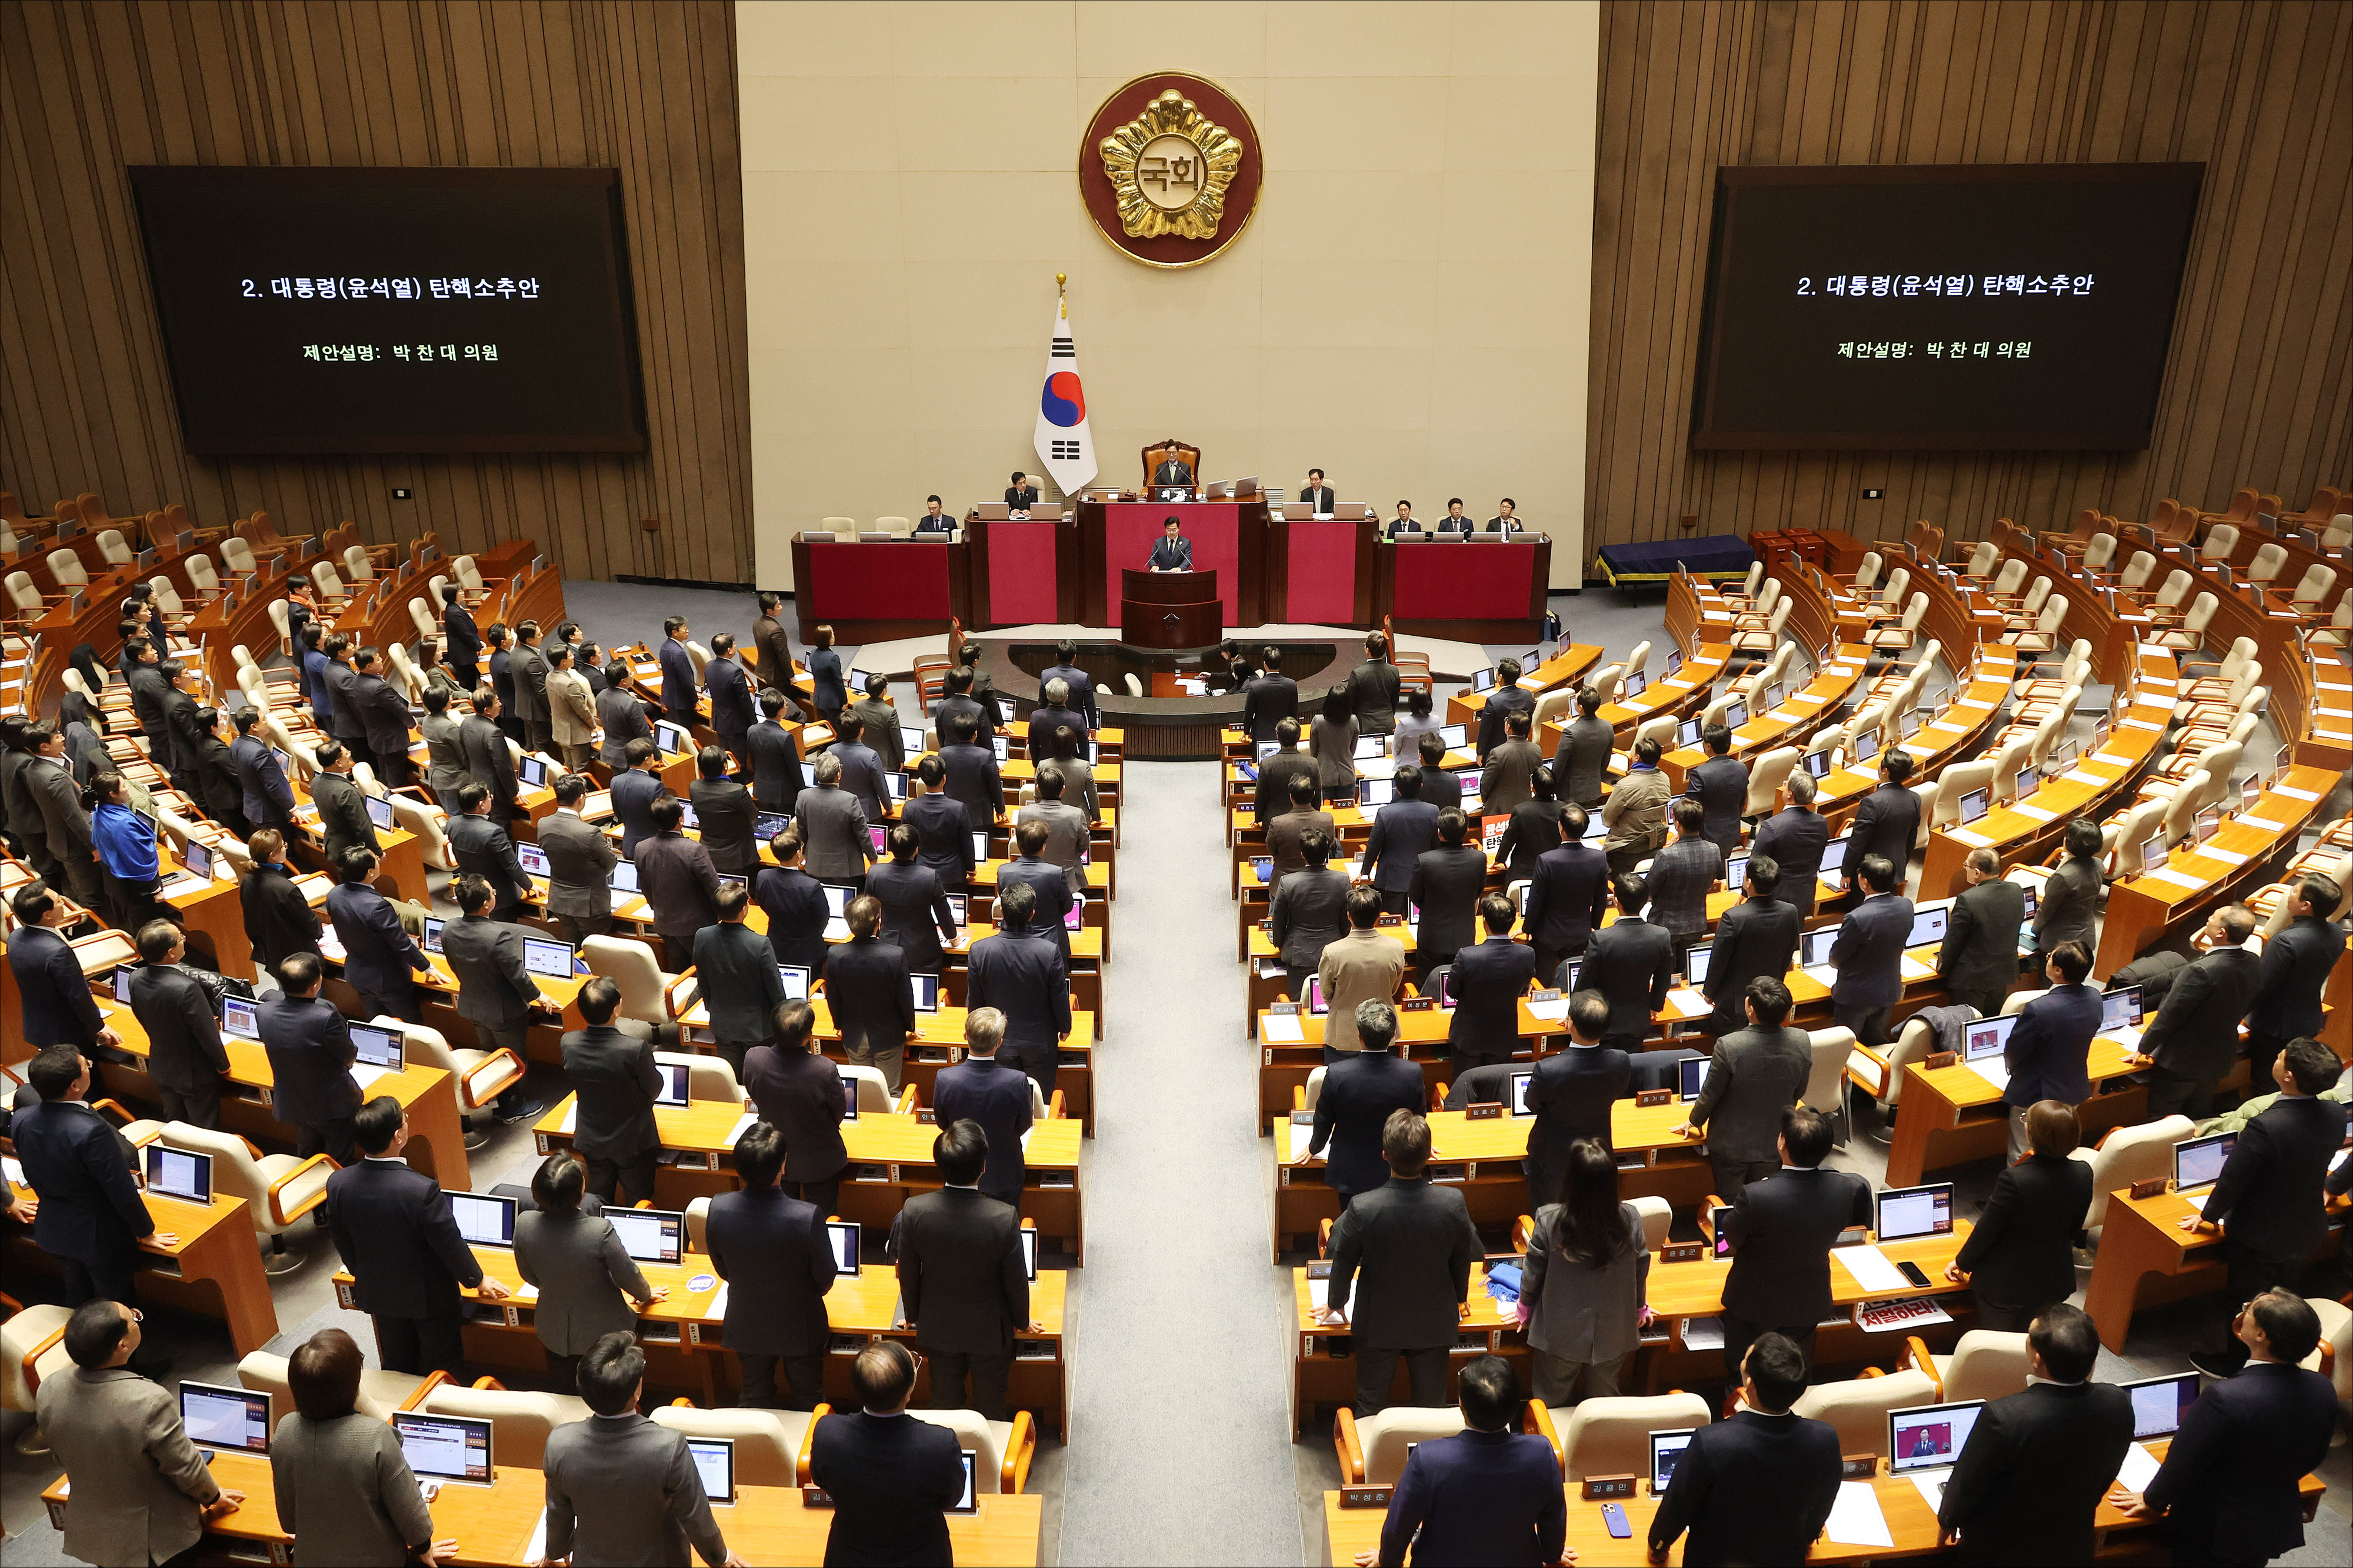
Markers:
point(1161, 451)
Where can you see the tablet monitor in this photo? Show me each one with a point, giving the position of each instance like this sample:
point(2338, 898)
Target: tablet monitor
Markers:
point(715, 1465)
point(547, 956)
point(2120, 1009)
point(1907, 1212)
point(2028, 889)
point(1483, 680)
point(970, 1502)
point(1975, 804)
point(1775, 693)
point(1929, 1436)
point(2198, 1162)
point(675, 1077)
point(1454, 737)
point(879, 836)
point(1633, 686)
point(650, 1236)
point(1371, 748)
point(484, 1219)
point(896, 785)
point(1075, 916)
point(447, 1449)
point(1815, 947)
point(534, 860)
point(236, 1419)
point(2022, 783)
point(1987, 1039)
point(285, 762)
point(1445, 990)
point(1375, 791)
point(1030, 1250)
point(850, 1099)
point(122, 974)
point(1818, 764)
point(1834, 853)
point(1929, 925)
point(1666, 1452)
point(1317, 1003)
point(433, 924)
point(794, 978)
point(198, 855)
point(672, 738)
point(1866, 744)
point(926, 991)
point(845, 1236)
point(241, 1017)
point(910, 740)
point(1569, 970)
point(979, 845)
point(688, 817)
point(1696, 962)
point(623, 877)
point(1520, 1106)
point(2152, 851)
point(1687, 733)
point(1675, 660)
point(1735, 869)
point(1736, 716)
point(1722, 1244)
point(376, 1045)
point(2160, 1404)
point(766, 824)
point(1691, 1071)
point(1910, 724)
point(1002, 747)
point(1265, 750)
point(2208, 820)
point(531, 771)
point(183, 1173)
point(836, 901)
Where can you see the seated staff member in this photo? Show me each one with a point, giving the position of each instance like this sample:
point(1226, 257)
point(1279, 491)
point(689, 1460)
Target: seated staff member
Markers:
point(344, 1490)
point(891, 1479)
point(1588, 1266)
point(91, 1218)
point(1756, 1074)
point(2020, 1257)
point(1756, 939)
point(2050, 1048)
point(1414, 1243)
point(1485, 982)
point(1491, 1495)
point(2029, 1480)
point(962, 1283)
point(1000, 1099)
point(580, 1268)
point(622, 1482)
point(1316, 493)
point(774, 1253)
point(310, 1056)
point(1360, 1093)
point(1758, 1485)
point(141, 1491)
point(798, 1091)
point(1782, 1229)
point(184, 1054)
point(1979, 961)
point(1367, 964)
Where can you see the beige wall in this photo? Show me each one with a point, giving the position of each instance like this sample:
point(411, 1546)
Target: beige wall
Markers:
point(1409, 309)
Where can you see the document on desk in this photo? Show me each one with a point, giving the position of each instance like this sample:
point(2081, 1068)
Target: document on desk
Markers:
point(2077, 776)
point(1855, 1517)
point(1993, 1070)
point(2138, 1469)
point(571, 1117)
point(1931, 1484)
point(1281, 1028)
point(2029, 809)
point(1871, 1269)
point(2230, 857)
point(364, 1074)
point(1683, 999)
point(535, 1550)
point(743, 1124)
point(1317, 1293)
point(525, 1290)
point(331, 946)
point(1914, 969)
point(718, 1308)
point(1553, 1012)
point(2179, 878)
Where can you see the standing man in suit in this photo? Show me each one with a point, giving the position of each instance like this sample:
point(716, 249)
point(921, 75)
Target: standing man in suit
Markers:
point(268, 799)
point(141, 1491)
point(1632, 962)
point(1066, 826)
point(680, 883)
point(461, 638)
point(724, 815)
point(1367, 964)
point(832, 823)
point(891, 1478)
point(1020, 973)
point(1508, 770)
point(310, 1056)
point(800, 1092)
point(1486, 983)
point(614, 1080)
point(1047, 880)
point(1269, 698)
point(1759, 1486)
point(343, 819)
point(278, 915)
point(384, 721)
point(1446, 887)
point(732, 708)
point(1053, 712)
point(1580, 763)
point(621, 714)
point(185, 1055)
point(771, 643)
point(2270, 1189)
point(1572, 1094)
point(1755, 1074)
point(1782, 1229)
point(915, 912)
point(635, 789)
point(53, 992)
point(1886, 822)
point(794, 903)
point(774, 757)
point(224, 795)
point(92, 1217)
point(580, 861)
point(445, 748)
point(1979, 961)
point(1318, 495)
point(396, 1235)
point(2193, 1041)
point(2068, 910)
point(2051, 1045)
point(1682, 876)
point(1402, 831)
point(620, 1489)
point(580, 1268)
point(1720, 785)
point(878, 725)
point(974, 780)
point(738, 972)
point(1275, 772)
point(1374, 684)
point(2297, 964)
point(1755, 940)
point(490, 757)
point(1491, 1495)
point(997, 1098)
point(959, 701)
point(1284, 834)
point(1636, 811)
point(679, 693)
point(866, 991)
point(65, 821)
point(777, 1256)
point(1359, 1094)
point(961, 1277)
point(1869, 951)
point(503, 681)
point(1414, 1243)
point(481, 846)
point(342, 677)
point(943, 842)
point(380, 958)
point(2019, 1258)
point(2228, 1484)
point(1507, 696)
point(1078, 687)
point(495, 992)
point(571, 708)
point(1308, 909)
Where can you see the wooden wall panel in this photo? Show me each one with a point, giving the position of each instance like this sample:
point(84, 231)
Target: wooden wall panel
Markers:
point(647, 85)
point(2259, 384)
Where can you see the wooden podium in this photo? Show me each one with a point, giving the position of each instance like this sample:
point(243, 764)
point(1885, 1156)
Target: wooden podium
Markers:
point(1169, 609)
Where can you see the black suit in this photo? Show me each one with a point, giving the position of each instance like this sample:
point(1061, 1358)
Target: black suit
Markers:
point(615, 1080)
point(943, 841)
point(774, 759)
point(726, 817)
point(964, 1291)
point(1506, 701)
point(915, 912)
point(1274, 775)
point(184, 1053)
point(1631, 963)
point(890, 1477)
point(795, 903)
point(277, 918)
point(1268, 700)
point(1884, 824)
point(1793, 837)
point(1487, 982)
point(731, 709)
point(224, 793)
point(2229, 1482)
point(1566, 899)
point(1751, 1489)
point(1572, 1094)
point(1359, 1094)
point(1403, 831)
point(866, 992)
point(621, 714)
point(379, 957)
point(997, 1097)
point(1020, 497)
point(777, 1259)
point(1374, 684)
point(1869, 957)
point(737, 968)
point(1979, 958)
point(384, 715)
point(2268, 1198)
point(1082, 695)
point(343, 821)
point(2021, 1257)
point(2032, 1473)
point(393, 1228)
point(344, 703)
point(1414, 1243)
point(1052, 887)
point(800, 1093)
point(1757, 937)
point(2297, 964)
point(91, 1215)
point(1442, 787)
point(1319, 497)
point(1720, 785)
point(680, 882)
point(1446, 885)
point(974, 782)
point(1024, 976)
point(2195, 1036)
point(1782, 1228)
point(634, 792)
point(491, 762)
point(462, 642)
point(483, 846)
point(268, 800)
point(57, 1008)
point(312, 1087)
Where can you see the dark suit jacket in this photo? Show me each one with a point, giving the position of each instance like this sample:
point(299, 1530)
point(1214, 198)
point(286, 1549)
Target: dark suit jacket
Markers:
point(383, 713)
point(2050, 1046)
point(678, 879)
point(1980, 949)
point(483, 846)
point(861, 775)
point(800, 1094)
point(1447, 883)
point(1354, 1105)
point(725, 816)
point(1682, 876)
point(1309, 911)
point(277, 918)
point(219, 790)
point(1571, 1093)
point(1477, 1499)
point(502, 663)
point(486, 958)
point(394, 1230)
point(634, 792)
point(267, 797)
point(341, 680)
point(960, 1274)
point(1782, 1228)
point(378, 955)
point(490, 761)
point(616, 1079)
point(2034, 1471)
point(1373, 685)
point(1318, 496)
point(678, 682)
point(1533, 831)
point(1581, 760)
point(1720, 785)
point(23, 812)
point(1052, 887)
point(794, 903)
point(731, 709)
point(183, 1036)
point(777, 776)
point(1755, 1075)
point(1285, 836)
point(90, 1209)
point(1273, 798)
point(1268, 700)
point(2230, 1479)
point(2021, 1253)
point(2269, 1193)
point(1489, 979)
point(998, 1098)
point(737, 969)
point(1755, 937)
point(310, 1056)
point(1402, 831)
point(866, 991)
point(1566, 898)
point(1884, 824)
point(825, 681)
point(580, 861)
point(1442, 788)
point(1414, 1244)
point(1513, 699)
point(1024, 976)
point(777, 1261)
point(943, 841)
point(1507, 776)
point(621, 714)
point(775, 649)
point(147, 689)
point(342, 814)
point(1793, 837)
point(57, 1008)
point(915, 912)
point(1082, 691)
point(1631, 963)
point(2196, 1031)
point(1869, 951)
point(890, 1478)
point(463, 639)
point(1751, 1489)
point(2295, 967)
point(974, 782)
point(2069, 904)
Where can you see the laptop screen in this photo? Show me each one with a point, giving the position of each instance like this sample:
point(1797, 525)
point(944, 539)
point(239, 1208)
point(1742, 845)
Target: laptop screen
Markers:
point(1376, 792)
point(1666, 1452)
point(1929, 925)
point(433, 925)
point(650, 1236)
point(1692, 1070)
point(534, 860)
point(376, 1045)
point(1866, 745)
point(671, 738)
point(836, 901)
point(714, 1466)
point(795, 980)
point(926, 991)
point(1454, 737)
point(1929, 1436)
point(532, 771)
point(484, 1219)
point(675, 1077)
point(1815, 946)
point(2160, 1404)
point(198, 857)
point(1907, 1212)
point(1735, 871)
point(2198, 1162)
point(910, 740)
point(180, 1174)
point(543, 955)
point(2152, 851)
point(241, 1017)
point(1834, 852)
point(623, 877)
point(233, 1419)
point(845, 1234)
point(1695, 961)
point(969, 1502)
point(1988, 1038)
point(1370, 748)
point(446, 1448)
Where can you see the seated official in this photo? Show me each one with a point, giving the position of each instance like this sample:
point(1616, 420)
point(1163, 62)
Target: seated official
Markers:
point(1172, 473)
point(935, 521)
point(1759, 1486)
point(1507, 519)
point(1173, 551)
point(1414, 1244)
point(344, 1490)
point(891, 1478)
point(1491, 1495)
point(621, 1490)
point(1405, 524)
point(1316, 493)
point(1021, 494)
point(1588, 1269)
point(581, 1269)
point(2019, 1258)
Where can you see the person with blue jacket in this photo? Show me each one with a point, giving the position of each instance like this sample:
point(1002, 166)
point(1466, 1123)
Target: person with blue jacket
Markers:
point(126, 842)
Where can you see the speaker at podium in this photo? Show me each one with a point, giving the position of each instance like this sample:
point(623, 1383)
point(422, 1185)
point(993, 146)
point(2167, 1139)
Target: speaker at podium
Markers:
point(1169, 609)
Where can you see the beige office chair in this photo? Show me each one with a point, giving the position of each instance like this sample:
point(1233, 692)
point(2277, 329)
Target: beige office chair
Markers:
point(1001, 1449)
point(2009, 580)
point(1857, 1407)
point(844, 528)
point(381, 1392)
point(771, 1446)
point(430, 822)
point(1373, 1451)
point(1826, 1089)
point(2129, 1155)
point(279, 1190)
point(2099, 552)
point(631, 964)
point(1982, 1365)
point(521, 1420)
point(357, 567)
point(707, 1078)
point(2265, 567)
point(332, 591)
point(66, 570)
point(2337, 1333)
point(2139, 567)
point(896, 527)
point(1765, 779)
point(874, 1088)
point(1866, 572)
point(2190, 635)
point(1982, 559)
point(1610, 1435)
point(237, 556)
point(32, 1347)
point(480, 1076)
point(422, 619)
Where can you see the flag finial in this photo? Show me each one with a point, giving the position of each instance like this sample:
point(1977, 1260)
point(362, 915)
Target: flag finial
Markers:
point(1062, 280)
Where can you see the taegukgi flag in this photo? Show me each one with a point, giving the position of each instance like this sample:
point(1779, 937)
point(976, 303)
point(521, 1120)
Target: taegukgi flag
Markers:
point(1062, 442)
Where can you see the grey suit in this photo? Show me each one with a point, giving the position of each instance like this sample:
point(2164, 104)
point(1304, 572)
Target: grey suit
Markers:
point(137, 1482)
point(495, 990)
point(1582, 758)
point(580, 861)
point(1681, 876)
point(581, 1269)
point(344, 1493)
point(1756, 1074)
point(2069, 905)
point(1582, 1321)
point(343, 815)
point(834, 833)
point(623, 1491)
point(1065, 838)
point(622, 715)
point(445, 759)
point(1505, 779)
point(66, 826)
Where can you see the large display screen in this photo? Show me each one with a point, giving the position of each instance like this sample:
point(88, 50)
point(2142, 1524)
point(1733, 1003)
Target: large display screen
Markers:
point(394, 310)
point(2005, 305)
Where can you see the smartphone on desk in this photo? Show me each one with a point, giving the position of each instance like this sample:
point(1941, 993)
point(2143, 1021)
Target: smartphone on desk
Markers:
point(1913, 1272)
point(1614, 1516)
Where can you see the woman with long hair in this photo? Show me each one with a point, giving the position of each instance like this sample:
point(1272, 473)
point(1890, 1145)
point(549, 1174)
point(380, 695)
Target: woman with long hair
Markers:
point(1331, 741)
point(1582, 1294)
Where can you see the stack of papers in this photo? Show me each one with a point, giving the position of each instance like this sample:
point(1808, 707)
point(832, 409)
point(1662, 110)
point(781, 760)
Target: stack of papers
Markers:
point(1682, 999)
point(743, 1124)
point(1855, 1517)
point(718, 1308)
point(1871, 1269)
point(2138, 1469)
point(1283, 1029)
point(1318, 1292)
point(363, 1075)
point(1553, 1011)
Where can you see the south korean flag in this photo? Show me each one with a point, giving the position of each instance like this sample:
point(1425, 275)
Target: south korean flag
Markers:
point(1063, 444)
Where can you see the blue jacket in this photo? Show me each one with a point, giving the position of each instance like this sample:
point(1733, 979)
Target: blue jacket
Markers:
point(1481, 1498)
point(2050, 1045)
point(125, 843)
point(268, 799)
point(378, 955)
point(997, 1097)
point(1401, 831)
point(322, 697)
point(678, 678)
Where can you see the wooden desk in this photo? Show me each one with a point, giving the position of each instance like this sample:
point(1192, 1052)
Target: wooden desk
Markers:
point(2146, 1259)
point(1567, 665)
point(1955, 1114)
point(214, 1270)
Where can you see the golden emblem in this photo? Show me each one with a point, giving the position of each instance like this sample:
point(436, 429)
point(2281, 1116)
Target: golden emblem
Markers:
point(1169, 167)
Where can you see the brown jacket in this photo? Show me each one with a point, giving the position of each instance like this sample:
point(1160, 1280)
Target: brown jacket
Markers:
point(1283, 834)
point(1362, 966)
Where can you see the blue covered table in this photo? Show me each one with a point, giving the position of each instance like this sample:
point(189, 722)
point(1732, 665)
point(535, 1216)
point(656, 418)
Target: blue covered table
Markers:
point(1716, 556)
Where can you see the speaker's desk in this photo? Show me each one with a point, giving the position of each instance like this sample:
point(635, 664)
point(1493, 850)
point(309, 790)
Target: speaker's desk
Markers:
point(1169, 609)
